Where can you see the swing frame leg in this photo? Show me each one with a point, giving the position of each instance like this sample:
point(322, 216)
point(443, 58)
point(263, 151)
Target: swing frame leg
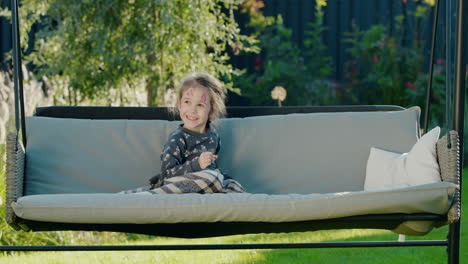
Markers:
point(453, 248)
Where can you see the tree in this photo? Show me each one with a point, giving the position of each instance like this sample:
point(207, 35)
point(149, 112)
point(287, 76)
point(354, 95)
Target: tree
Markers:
point(99, 45)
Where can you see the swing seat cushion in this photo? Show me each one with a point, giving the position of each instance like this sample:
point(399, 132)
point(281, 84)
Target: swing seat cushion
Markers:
point(179, 208)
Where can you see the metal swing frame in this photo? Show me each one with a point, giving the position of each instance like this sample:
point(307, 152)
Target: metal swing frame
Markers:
point(452, 243)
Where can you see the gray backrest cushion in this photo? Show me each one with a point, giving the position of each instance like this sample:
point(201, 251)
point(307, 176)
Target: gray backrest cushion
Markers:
point(297, 153)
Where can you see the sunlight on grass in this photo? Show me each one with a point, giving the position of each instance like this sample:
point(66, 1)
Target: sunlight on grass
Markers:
point(198, 256)
point(138, 257)
point(232, 256)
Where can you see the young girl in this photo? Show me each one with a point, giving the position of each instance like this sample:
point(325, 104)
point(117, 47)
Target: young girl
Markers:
point(188, 160)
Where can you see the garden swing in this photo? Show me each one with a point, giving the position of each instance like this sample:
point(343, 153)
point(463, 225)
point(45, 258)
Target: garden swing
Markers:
point(65, 169)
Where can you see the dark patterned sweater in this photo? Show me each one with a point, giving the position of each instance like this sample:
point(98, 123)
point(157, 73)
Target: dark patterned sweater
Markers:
point(181, 152)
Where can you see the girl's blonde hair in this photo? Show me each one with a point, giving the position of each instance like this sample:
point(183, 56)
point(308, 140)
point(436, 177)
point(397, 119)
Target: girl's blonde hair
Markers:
point(216, 90)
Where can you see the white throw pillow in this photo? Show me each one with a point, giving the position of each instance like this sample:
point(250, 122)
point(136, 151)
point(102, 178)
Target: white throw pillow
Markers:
point(386, 169)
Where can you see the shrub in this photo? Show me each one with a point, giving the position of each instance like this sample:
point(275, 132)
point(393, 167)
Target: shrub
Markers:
point(281, 63)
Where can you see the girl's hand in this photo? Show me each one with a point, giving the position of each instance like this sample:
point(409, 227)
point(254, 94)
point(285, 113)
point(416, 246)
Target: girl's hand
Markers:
point(205, 159)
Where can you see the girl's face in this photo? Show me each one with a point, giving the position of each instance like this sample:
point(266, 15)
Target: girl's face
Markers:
point(194, 108)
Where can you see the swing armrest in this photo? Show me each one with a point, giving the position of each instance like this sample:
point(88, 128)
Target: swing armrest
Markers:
point(14, 176)
point(449, 163)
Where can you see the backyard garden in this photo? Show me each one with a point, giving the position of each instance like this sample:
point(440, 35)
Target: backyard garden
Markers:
point(134, 53)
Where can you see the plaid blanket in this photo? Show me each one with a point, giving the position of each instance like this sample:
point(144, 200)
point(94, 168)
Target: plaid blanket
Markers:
point(197, 182)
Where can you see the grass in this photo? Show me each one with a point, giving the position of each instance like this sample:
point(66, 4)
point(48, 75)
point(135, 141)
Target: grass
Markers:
point(351, 255)
point(361, 255)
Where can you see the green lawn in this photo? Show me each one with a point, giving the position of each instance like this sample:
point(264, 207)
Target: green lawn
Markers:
point(358, 255)
point(351, 255)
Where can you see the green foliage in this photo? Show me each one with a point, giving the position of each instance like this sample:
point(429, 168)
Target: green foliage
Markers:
point(437, 108)
point(104, 44)
point(319, 64)
point(381, 71)
point(282, 63)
